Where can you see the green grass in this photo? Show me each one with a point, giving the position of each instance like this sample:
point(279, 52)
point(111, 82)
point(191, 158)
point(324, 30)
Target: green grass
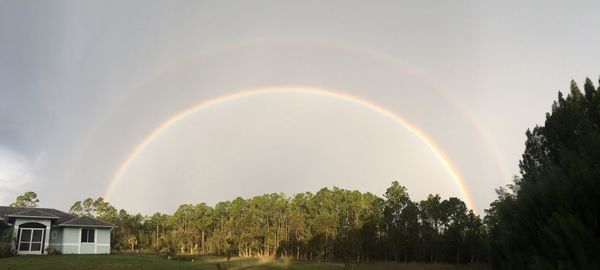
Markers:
point(150, 262)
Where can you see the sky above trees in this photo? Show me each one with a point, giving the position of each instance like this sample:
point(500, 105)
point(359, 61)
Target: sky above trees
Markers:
point(82, 85)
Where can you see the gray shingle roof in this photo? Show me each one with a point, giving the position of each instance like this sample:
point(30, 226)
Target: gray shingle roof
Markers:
point(84, 221)
point(60, 217)
point(35, 213)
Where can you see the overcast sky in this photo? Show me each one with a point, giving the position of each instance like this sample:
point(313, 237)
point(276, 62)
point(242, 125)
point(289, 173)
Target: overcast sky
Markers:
point(83, 82)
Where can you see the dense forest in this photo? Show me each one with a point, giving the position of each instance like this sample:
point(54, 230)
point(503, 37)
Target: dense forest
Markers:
point(329, 225)
point(549, 218)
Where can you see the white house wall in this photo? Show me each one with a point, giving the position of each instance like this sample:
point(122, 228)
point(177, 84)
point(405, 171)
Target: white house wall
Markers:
point(56, 238)
point(72, 241)
point(103, 241)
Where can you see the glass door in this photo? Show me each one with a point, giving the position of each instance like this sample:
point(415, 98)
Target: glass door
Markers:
point(30, 241)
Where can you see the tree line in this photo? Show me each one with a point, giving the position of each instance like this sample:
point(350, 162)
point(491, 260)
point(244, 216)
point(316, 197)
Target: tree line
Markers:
point(329, 225)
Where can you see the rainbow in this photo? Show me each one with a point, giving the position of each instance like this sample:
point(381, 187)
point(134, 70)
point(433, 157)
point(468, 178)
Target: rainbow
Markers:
point(437, 152)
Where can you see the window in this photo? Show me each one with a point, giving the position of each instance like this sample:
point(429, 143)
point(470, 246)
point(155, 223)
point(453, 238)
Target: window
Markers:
point(87, 235)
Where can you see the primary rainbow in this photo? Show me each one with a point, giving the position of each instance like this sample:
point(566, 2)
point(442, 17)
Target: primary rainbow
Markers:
point(439, 154)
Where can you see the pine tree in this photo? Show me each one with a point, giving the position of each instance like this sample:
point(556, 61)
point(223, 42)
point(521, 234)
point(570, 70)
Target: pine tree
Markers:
point(551, 220)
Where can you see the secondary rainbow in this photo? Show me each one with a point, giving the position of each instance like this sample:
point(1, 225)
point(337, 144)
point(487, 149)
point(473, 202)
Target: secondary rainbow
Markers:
point(438, 153)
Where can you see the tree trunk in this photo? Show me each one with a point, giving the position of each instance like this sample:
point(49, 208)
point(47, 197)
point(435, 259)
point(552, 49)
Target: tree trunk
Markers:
point(457, 254)
point(156, 248)
point(202, 242)
point(471, 255)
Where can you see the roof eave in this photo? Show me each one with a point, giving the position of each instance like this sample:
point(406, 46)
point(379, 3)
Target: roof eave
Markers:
point(38, 217)
point(90, 226)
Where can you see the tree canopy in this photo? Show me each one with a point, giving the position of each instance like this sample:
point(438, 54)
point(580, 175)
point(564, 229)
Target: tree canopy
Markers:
point(29, 199)
point(549, 217)
point(329, 225)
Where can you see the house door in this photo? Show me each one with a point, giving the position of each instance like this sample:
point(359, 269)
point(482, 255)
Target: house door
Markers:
point(31, 241)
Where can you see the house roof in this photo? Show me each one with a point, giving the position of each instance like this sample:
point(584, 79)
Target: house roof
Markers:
point(60, 217)
point(84, 221)
point(32, 213)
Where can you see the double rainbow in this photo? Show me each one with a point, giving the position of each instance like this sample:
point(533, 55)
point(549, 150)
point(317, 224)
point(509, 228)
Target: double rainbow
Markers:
point(435, 150)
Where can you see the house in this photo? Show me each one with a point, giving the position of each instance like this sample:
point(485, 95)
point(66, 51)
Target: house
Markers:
point(36, 230)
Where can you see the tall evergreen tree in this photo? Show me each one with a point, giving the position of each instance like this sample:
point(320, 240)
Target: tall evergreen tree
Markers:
point(549, 218)
point(398, 213)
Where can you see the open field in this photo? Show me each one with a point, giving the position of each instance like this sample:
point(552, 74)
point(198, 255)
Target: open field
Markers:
point(120, 262)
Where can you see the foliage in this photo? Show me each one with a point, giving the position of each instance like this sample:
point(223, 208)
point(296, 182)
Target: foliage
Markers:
point(28, 200)
point(549, 217)
point(329, 225)
point(4, 250)
point(94, 208)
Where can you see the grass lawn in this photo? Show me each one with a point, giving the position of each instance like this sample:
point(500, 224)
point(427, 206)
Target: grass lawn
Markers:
point(119, 262)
